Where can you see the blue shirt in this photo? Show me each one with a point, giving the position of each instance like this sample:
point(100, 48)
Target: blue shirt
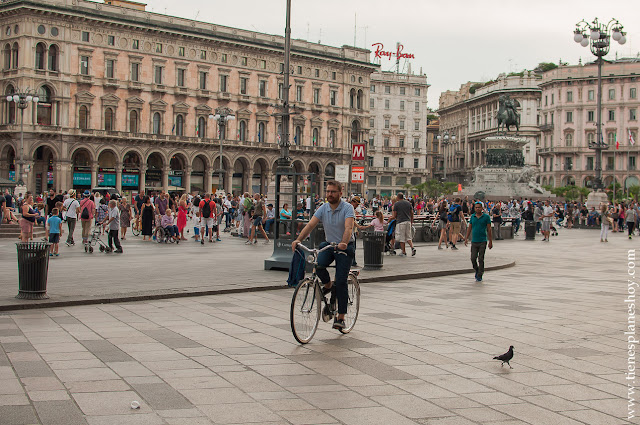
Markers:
point(333, 220)
point(479, 227)
point(54, 224)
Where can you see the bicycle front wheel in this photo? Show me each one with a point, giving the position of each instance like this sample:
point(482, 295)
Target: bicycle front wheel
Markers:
point(305, 310)
point(353, 308)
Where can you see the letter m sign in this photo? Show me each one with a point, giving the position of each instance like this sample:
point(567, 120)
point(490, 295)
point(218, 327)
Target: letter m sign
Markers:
point(358, 152)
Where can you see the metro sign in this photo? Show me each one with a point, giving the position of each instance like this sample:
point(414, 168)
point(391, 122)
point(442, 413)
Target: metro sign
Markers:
point(357, 174)
point(358, 152)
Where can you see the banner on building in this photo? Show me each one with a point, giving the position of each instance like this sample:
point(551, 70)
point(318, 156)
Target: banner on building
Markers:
point(342, 173)
point(358, 152)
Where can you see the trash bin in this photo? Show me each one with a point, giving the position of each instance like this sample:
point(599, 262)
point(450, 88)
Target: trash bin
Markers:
point(373, 248)
point(530, 230)
point(33, 266)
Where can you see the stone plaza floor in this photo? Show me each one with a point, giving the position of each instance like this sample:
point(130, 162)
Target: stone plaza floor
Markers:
point(421, 351)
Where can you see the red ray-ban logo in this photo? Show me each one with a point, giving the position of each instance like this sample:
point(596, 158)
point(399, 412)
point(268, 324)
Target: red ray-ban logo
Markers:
point(379, 53)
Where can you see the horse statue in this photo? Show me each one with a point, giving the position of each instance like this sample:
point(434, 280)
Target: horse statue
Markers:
point(507, 114)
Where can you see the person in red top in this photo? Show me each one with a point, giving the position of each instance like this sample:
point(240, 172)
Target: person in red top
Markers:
point(182, 219)
point(207, 218)
point(87, 211)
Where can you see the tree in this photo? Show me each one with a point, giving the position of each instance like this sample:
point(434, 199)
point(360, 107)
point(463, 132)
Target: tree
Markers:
point(634, 190)
point(545, 66)
point(584, 192)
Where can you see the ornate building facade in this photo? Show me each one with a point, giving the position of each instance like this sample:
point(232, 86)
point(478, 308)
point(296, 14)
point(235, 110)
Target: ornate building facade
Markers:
point(568, 123)
point(397, 148)
point(470, 114)
point(126, 98)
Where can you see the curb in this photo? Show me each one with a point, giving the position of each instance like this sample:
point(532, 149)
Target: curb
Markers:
point(167, 295)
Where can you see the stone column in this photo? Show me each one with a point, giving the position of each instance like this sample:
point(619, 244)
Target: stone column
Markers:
point(119, 177)
point(142, 178)
point(249, 180)
point(207, 179)
point(227, 181)
point(62, 178)
point(186, 180)
point(94, 174)
point(165, 179)
point(30, 177)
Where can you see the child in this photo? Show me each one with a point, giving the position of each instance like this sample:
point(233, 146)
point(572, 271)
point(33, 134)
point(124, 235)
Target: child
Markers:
point(53, 231)
point(167, 224)
point(113, 221)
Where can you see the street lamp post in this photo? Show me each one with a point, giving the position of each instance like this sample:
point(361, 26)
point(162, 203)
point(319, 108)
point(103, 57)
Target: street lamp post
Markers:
point(599, 39)
point(22, 99)
point(223, 114)
point(446, 139)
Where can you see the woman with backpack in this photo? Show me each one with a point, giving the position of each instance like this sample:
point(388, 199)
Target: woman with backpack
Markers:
point(87, 211)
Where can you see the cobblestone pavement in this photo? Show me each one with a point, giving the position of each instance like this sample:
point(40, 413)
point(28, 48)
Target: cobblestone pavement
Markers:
point(148, 269)
point(421, 352)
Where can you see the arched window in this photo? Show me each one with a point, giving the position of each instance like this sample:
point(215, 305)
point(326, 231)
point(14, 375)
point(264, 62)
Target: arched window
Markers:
point(222, 129)
point(179, 125)
point(157, 123)
point(297, 139)
point(11, 107)
point(133, 121)
point(611, 138)
point(108, 119)
point(202, 127)
point(14, 56)
point(53, 58)
point(40, 55)
point(332, 138)
point(359, 100)
point(568, 139)
point(242, 130)
point(355, 132)
point(83, 117)
point(352, 98)
point(7, 56)
point(316, 137)
point(44, 114)
point(262, 132)
point(279, 133)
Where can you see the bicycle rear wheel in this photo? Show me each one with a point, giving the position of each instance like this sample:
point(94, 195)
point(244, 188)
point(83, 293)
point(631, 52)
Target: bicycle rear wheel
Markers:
point(305, 310)
point(135, 229)
point(353, 308)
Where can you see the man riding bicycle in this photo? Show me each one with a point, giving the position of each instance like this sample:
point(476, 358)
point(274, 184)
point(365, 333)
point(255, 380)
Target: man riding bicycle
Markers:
point(337, 216)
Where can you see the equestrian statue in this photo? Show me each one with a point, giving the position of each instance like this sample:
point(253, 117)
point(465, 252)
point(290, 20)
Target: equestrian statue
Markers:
point(507, 114)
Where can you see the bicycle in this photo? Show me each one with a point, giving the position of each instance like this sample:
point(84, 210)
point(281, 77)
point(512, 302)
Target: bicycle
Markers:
point(136, 228)
point(308, 299)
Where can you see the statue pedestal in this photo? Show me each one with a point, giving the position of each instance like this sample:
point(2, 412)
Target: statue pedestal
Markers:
point(595, 199)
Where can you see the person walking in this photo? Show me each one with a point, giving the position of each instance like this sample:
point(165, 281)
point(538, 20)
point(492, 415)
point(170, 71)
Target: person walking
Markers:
point(480, 231)
point(182, 219)
point(28, 219)
point(54, 231)
point(147, 217)
point(259, 212)
point(402, 212)
point(125, 218)
point(71, 206)
point(453, 218)
point(441, 218)
point(496, 215)
point(87, 212)
point(207, 218)
point(605, 223)
point(547, 218)
point(631, 216)
point(112, 222)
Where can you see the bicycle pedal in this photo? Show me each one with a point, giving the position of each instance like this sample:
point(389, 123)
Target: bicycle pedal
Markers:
point(327, 314)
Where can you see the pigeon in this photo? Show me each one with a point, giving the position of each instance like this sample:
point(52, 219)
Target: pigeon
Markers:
point(506, 357)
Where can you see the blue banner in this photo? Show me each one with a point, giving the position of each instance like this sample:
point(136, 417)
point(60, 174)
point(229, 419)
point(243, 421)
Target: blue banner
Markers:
point(82, 179)
point(130, 180)
point(108, 180)
point(12, 176)
point(175, 181)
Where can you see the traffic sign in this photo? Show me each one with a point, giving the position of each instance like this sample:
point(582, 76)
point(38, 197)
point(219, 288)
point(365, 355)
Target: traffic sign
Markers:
point(358, 152)
point(357, 174)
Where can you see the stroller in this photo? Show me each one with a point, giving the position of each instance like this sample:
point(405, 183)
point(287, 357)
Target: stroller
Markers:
point(95, 240)
point(388, 237)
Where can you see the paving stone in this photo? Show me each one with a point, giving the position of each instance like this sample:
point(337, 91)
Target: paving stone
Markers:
point(162, 396)
point(18, 415)
point(109, 403)
point(239, 413)
point(59, 412)
point(32, 369)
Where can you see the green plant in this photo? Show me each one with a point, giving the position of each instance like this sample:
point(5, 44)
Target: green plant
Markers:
point(634, 190)
point(546, 66)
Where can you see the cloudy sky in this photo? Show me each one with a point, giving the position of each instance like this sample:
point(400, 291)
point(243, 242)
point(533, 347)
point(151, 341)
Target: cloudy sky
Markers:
point(453, 41)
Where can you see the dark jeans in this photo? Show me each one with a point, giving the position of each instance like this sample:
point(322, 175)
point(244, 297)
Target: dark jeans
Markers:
point(114, 239)
point(477, 256)
point(71, 223)
point(172, 230)
point(268, 224)
point(630, 226)
point(343, 261)
point(517, 225)
point(227, 220)
point(496, 230)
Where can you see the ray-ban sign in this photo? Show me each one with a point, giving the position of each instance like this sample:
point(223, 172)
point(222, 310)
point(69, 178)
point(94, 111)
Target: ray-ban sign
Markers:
point(358, 152)
point(380, 53)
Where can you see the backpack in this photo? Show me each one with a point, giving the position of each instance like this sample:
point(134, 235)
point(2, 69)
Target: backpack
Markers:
point(206, 209)
point(85, 212)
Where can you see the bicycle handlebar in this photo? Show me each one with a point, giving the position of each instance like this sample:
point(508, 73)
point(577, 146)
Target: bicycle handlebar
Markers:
point(317, 251)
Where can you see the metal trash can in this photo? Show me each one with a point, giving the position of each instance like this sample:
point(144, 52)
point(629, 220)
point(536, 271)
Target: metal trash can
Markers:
point(530, 230)
point(33, 266)
point(373, 243)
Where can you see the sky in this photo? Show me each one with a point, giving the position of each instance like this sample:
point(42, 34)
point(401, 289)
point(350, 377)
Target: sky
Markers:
point(453, 41)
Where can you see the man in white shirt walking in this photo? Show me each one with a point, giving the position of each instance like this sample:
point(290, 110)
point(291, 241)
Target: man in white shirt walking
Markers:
point(71, 206)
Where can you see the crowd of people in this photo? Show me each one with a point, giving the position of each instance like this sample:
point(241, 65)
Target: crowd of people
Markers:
point(253, 216)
